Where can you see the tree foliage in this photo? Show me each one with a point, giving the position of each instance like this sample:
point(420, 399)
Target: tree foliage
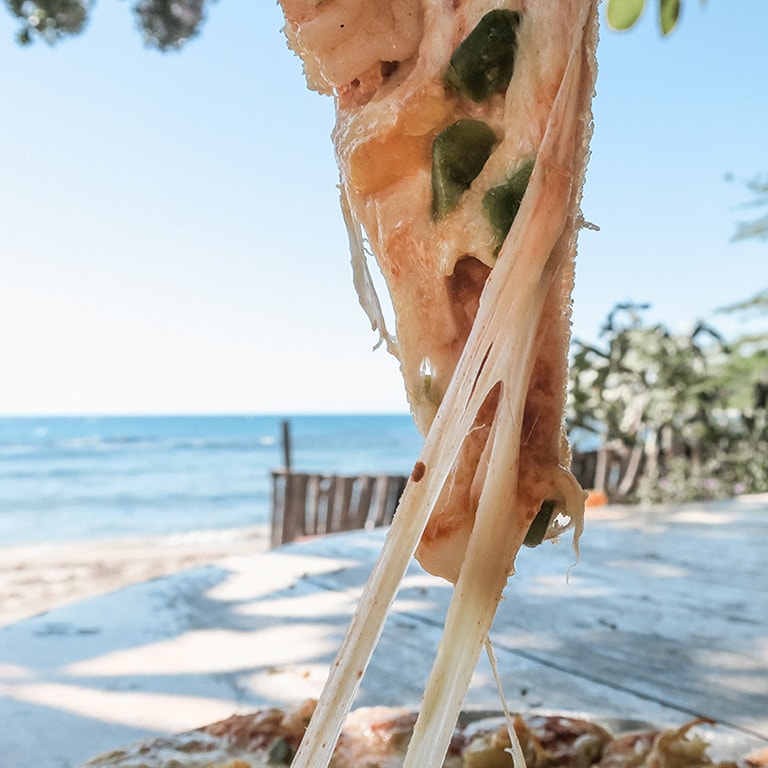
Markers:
point(624, 14)
point(49, 19)
point(753, 348)
point(678, 416)
point(168, 24)
point(165, 24)
point(756, 228)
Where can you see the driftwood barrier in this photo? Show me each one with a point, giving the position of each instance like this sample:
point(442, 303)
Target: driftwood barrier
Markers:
point(614, 472)
point(306, 504)
point(312, 504)
point(584, 465)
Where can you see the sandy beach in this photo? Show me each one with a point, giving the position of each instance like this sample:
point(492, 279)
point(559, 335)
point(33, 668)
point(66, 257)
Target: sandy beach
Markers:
point(38, 578)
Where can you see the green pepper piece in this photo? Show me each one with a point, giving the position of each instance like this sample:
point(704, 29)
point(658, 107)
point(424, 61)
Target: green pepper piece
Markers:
point(280, 752)
point(538, 528)
point(459, 153)
point(483, 63)
point(502, 203)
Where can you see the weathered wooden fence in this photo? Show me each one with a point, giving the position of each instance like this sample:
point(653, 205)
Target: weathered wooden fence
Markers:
point(614, 472)
point(309, 504)
point(584, 468)
point(312, 504)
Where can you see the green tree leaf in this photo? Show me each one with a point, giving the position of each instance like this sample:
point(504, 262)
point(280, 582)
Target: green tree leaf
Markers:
point(669, 12)
point(622, 14)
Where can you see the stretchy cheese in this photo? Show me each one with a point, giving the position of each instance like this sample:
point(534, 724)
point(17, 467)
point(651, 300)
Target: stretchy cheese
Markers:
point(462, 135)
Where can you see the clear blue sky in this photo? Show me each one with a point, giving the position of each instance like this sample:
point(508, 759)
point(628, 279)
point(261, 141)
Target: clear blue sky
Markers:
point(171, 240)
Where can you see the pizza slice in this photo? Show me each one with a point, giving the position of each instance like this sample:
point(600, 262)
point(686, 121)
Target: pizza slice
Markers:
point(461, 136)
point(442, 112)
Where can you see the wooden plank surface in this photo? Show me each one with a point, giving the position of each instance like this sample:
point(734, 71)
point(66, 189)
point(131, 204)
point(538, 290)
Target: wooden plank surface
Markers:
point(663, 618)
point(667, 608)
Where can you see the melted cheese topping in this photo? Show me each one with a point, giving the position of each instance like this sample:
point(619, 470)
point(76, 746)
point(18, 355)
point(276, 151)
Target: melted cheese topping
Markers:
point(482, 328)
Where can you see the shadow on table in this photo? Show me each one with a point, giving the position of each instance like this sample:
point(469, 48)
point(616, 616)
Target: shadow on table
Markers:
point(663, 609)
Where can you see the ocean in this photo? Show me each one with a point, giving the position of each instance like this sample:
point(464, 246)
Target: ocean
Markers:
point(68, 479)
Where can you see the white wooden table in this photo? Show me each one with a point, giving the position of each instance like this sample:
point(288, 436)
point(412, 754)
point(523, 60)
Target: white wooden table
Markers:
point(665, 617)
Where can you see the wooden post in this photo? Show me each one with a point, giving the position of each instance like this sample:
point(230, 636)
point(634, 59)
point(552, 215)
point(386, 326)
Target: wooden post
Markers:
point(295, 515)
point(279, 483)
point(286, 445)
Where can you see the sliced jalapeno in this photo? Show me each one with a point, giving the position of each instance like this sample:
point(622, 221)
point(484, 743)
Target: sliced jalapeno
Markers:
point(280, 752)
point(459, 153)
point(502, 203)
point(483, 63)
point(538, 528)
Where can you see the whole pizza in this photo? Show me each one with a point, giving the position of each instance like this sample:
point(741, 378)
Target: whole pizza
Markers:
point(377, 737)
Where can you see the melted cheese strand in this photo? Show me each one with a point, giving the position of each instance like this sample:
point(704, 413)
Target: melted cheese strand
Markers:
point(361, 277)
point(500, 350)
point(367, 623)
point(440, 451)
point(513, 299)
point(518, 758)
point(479, 587)
point(489, 556)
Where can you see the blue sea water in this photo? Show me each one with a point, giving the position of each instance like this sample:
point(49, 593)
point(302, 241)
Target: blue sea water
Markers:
point(70, 479)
